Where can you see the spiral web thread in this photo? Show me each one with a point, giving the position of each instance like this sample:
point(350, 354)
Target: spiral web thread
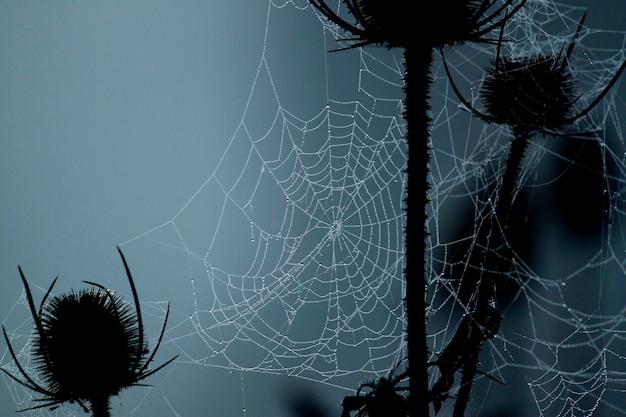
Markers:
point(293, 246)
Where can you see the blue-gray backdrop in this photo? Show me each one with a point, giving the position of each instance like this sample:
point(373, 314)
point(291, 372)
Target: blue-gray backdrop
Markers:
point(111, 115)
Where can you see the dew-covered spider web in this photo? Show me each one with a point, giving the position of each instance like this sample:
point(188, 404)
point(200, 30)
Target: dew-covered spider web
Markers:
point(288, 258)
point(561, 338)
point(293, 243)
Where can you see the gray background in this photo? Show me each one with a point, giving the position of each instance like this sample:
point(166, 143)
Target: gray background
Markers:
point(111, 116)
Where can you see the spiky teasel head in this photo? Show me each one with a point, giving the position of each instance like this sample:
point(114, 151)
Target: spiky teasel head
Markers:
point(534, 93)
point(458, 21)
point(530, 93)
point(89, 346)
point(431, 23)
point(387, 23)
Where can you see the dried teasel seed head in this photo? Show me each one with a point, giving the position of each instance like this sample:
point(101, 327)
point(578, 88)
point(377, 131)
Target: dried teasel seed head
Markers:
point(443, 22)
point(455, 21)
point(389, 22)
point(427, 23)
point(90, 344)
point(531, 94)
point(87, 347)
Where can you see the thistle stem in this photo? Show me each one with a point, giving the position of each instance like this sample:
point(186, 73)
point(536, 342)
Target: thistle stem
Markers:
point(417, 60)
point(497, 240)
point(494, 241)
point(513, 167)
point(100, 407)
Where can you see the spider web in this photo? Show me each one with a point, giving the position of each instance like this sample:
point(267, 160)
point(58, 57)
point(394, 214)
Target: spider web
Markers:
point(298, 269)
point(562, 332)
point(289, 257)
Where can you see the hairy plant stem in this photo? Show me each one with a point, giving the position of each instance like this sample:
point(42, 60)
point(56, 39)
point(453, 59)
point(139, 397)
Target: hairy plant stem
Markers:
point(417, 83)
point(494, 241)
point(465, 388)
point(513, 167)
point(100, 407)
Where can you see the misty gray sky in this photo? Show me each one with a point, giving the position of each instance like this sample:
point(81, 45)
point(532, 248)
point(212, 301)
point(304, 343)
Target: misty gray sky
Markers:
point(112, 115)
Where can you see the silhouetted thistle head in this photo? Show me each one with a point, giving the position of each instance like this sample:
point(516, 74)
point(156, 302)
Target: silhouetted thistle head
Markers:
point(434, 23)
point(459, 21)
point(531, 94)
point(89, 345)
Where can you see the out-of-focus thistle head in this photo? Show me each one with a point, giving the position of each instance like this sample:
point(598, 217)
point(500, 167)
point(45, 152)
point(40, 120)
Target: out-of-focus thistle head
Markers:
point(88, 346)
point(533, 93)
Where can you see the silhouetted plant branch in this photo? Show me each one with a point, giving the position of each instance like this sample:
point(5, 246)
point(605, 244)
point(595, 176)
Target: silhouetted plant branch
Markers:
point(534, 94)
point(392, 24)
